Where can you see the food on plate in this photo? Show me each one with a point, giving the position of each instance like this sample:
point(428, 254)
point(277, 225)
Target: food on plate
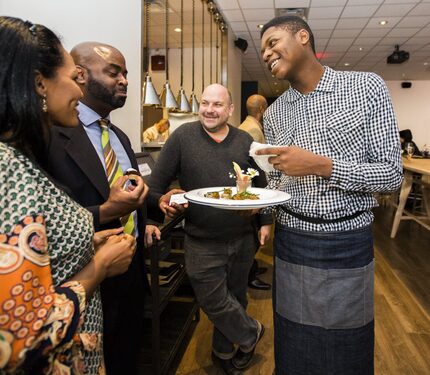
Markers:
point(227, 193)
point(245, 195)
point(212, 194)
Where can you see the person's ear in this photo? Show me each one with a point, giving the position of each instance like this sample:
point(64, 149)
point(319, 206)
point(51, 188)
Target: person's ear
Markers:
point(40, 84)
point(303, 36)
point(231, 109)
point(82, 74)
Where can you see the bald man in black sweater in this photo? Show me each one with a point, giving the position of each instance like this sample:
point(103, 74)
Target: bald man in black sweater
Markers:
point(219, 244)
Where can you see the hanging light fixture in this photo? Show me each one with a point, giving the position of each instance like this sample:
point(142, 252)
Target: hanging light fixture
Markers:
point(193, 99)
point(149, 95)
point(167, 98)
point(183, 104)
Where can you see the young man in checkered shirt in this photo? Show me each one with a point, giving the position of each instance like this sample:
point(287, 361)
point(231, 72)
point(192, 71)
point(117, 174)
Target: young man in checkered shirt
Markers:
point(340, 144)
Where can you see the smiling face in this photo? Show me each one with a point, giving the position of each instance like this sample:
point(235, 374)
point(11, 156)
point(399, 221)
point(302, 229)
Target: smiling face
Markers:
point(215, 108)
point(284, 51)
point(62, 93)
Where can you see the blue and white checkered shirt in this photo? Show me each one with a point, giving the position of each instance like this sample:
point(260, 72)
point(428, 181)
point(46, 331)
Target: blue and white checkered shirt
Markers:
point(350, 119)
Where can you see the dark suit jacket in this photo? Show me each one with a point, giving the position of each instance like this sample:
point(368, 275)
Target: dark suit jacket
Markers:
point(75, 166)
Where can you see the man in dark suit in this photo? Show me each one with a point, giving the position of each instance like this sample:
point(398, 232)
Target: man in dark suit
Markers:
point(80, 160)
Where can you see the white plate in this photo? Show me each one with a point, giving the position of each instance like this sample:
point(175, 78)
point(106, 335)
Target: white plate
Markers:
point(267, 198)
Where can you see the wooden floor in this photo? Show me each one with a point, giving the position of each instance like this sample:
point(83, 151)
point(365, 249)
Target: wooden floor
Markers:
point(402, 308)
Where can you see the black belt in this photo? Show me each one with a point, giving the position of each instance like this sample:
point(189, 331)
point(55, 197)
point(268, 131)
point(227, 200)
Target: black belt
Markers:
point(318, 220)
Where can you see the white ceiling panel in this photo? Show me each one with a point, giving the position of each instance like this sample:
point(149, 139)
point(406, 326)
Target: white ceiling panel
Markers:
point(289, 3)
point(415, 21)
point(324, 12)
point(227, 4)
point(424, 32)
point(421, 10)
point(367, 33)
point(406, 32)
point(322, 33)
point(366, 41)
point(340, 28)
point(393, 41)
point(365, 2)
point(359, 11)
point(233, 15)
point(323, 24)
point(352, 23)
point(328, 3)
point(346, 33)
point(249, 4)
point(392, 10)
point(239, 26)
point(259, 14)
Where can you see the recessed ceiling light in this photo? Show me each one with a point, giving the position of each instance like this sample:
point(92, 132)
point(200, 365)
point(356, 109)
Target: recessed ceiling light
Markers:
point(275, 83)
point(347, 64)
point(178, 29)
point(360, 48)
point(426, 63)
point(260, 26)
point(383, 22)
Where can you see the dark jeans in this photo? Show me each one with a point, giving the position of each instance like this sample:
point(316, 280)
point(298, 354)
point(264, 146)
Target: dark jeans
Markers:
point(218, 272)
point(323, 302)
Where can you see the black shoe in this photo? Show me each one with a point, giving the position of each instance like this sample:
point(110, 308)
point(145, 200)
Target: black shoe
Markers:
point(259, 284)
point(225, 365)
point(261, 270)
point(242, 359)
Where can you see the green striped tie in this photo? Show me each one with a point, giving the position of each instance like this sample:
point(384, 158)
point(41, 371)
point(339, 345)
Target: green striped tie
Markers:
point(113, 170)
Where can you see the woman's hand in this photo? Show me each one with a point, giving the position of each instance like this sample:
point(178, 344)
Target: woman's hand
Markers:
point(116, 254)
point(101, 236)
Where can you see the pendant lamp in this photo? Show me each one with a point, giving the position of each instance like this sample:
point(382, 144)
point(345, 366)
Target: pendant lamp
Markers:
point(167, 98)
point(149, 95)
point(183, 104)
point(193, 99)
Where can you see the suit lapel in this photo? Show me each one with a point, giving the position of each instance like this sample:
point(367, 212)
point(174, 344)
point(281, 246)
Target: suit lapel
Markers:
point(81, 150)
point(127, 147)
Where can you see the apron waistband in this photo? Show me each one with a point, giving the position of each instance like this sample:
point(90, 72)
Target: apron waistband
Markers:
point(318, 220)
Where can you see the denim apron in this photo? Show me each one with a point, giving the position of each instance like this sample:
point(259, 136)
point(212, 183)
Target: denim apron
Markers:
point(323, 302)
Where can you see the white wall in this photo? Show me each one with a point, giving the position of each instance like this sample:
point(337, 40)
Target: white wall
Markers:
point(412, 108)
point(108, 21)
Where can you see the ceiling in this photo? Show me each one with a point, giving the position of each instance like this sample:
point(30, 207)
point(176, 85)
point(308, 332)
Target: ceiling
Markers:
point(345, 31)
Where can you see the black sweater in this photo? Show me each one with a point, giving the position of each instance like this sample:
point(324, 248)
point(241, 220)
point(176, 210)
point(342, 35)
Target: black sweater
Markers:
point(197, 161)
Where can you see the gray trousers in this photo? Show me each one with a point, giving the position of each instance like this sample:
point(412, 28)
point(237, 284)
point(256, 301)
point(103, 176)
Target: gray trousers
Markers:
point(218, 272)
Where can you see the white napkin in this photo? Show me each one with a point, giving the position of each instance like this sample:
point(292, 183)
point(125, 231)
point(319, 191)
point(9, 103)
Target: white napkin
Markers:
point(261, 160)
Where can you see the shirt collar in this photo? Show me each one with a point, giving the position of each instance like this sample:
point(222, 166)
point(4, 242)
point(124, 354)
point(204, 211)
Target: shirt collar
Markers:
point(326, 84)
point(87, 115)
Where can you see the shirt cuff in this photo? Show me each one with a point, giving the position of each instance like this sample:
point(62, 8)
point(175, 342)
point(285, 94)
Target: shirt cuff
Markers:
point(339, 174)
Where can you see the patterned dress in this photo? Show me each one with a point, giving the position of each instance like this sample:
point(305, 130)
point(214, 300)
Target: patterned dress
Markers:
point(46, 324)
